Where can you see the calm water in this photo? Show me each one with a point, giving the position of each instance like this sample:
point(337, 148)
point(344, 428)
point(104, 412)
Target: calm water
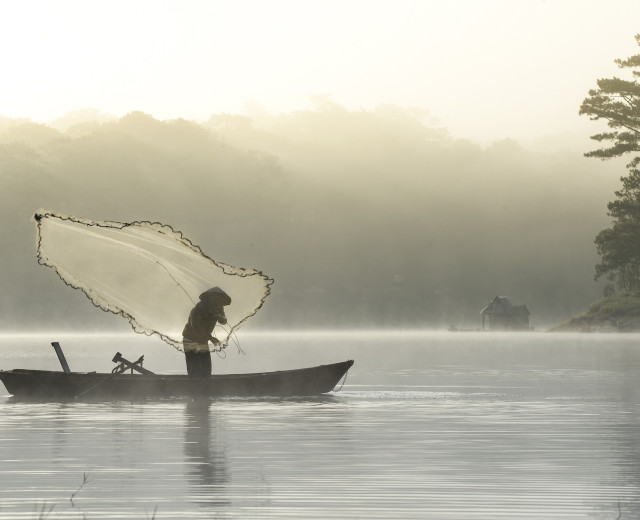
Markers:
point(427, 425)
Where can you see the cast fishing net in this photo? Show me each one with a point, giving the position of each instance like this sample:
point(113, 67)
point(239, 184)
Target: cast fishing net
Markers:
point(146, 272)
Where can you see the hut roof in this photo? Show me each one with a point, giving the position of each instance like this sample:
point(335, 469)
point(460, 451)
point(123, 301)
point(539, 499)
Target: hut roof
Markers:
point(502, 305)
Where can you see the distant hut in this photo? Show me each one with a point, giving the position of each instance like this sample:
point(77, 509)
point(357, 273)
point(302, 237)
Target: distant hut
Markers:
point(500, 314)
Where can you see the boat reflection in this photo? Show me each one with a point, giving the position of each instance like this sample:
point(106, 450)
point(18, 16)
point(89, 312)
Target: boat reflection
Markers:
point(205, 457)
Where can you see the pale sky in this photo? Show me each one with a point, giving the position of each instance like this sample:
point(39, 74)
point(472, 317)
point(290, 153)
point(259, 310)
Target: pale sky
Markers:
point(486, 69)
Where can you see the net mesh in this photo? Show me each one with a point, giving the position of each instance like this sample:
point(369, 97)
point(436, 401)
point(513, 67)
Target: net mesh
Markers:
point(146, 272)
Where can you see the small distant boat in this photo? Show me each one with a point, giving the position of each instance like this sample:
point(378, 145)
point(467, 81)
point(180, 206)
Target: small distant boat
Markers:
point(56, 385)
point(453, 328)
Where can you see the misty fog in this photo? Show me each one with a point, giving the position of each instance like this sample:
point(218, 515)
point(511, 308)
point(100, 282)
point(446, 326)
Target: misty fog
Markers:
point(363, 218)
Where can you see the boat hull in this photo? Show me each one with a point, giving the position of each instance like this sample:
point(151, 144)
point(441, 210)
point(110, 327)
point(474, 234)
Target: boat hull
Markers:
point(52, 385)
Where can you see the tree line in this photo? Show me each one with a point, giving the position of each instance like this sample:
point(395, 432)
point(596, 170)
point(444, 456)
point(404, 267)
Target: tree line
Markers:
point(372, 218)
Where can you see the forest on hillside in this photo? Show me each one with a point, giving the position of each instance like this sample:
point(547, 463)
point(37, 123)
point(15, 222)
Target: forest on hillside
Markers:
point(363, 218)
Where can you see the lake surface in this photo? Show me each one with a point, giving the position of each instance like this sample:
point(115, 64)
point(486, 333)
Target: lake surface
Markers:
point(427, 425)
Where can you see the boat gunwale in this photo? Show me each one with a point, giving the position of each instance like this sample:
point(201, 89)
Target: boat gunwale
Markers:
point(347, 363)
point(55, 385)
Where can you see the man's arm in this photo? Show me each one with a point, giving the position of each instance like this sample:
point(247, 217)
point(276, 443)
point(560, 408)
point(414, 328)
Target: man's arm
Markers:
point(220, 318)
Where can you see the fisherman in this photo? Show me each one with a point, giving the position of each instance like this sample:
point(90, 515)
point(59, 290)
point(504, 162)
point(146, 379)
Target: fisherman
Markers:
point(198, 331)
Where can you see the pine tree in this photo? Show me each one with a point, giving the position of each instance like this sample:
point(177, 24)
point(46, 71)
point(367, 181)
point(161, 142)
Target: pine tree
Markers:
point(619, 245)
point(618, 102)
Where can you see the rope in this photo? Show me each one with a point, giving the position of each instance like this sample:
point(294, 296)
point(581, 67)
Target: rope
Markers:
point(344, 379)
point(232, 336)
point(177, 283)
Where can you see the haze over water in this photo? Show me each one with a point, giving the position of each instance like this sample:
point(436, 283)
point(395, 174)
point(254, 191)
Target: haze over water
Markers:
point(427, 425)
point(387, 163)
point(391, 165)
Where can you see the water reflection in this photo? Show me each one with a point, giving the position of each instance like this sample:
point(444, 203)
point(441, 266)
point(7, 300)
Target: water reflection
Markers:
point(625, 482)
point(260, 454)
point(439, 427)
point(205, 457)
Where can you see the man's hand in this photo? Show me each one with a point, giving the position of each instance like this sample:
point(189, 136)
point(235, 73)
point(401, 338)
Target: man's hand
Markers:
point(215, 341)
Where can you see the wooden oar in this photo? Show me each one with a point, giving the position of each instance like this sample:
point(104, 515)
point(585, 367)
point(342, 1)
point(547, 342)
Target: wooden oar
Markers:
point(61, 358)
point(87, 390)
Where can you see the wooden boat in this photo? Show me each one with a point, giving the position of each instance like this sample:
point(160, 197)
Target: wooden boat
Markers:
point(54, 385)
